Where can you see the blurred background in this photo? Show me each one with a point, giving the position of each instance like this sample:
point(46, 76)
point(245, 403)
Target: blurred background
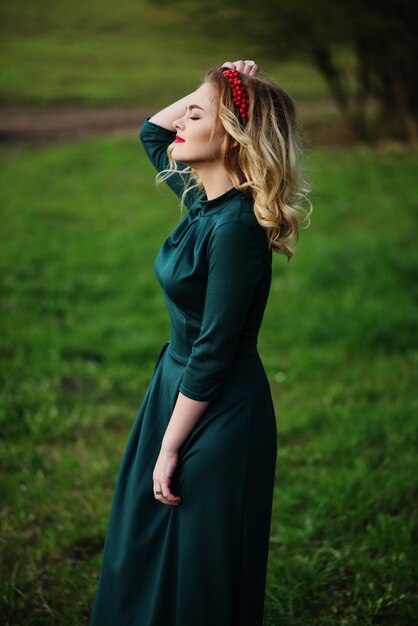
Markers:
point(83, 317)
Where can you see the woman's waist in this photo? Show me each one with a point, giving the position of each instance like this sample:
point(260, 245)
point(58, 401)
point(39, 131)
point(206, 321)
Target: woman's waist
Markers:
point(182, 355)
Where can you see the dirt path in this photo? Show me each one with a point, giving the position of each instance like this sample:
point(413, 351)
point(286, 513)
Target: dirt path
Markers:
point(58, 125)
point(55, 125)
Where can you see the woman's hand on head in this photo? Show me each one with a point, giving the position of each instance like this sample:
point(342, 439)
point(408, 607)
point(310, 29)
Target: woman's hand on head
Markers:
point(242, 67)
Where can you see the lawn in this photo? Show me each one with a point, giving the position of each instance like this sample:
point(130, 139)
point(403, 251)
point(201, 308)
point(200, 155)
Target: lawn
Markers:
point(64, 54)
point(83, 319)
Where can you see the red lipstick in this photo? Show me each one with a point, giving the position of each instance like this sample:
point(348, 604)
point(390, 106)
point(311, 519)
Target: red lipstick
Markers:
point(178, 139)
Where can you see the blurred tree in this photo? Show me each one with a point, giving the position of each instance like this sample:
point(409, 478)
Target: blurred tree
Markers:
point(379, 35)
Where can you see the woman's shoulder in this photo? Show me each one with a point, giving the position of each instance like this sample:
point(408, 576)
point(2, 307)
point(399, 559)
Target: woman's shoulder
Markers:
point(238, 220)
point(239, 211)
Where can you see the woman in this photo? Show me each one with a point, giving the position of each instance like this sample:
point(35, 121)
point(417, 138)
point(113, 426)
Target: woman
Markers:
point(188, 535)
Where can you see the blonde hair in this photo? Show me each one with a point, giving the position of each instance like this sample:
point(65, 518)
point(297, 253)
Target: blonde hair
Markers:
point(266, 163)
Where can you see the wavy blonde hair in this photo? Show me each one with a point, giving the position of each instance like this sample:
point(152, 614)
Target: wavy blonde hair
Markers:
point(266, 163)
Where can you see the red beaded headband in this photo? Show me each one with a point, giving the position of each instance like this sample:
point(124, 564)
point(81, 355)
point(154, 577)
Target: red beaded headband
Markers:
point(239, 94)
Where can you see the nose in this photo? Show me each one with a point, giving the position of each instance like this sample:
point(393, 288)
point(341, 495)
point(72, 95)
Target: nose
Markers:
point(177, 124)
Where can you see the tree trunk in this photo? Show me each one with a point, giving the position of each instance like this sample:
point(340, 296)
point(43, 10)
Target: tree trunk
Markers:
point(355, 121)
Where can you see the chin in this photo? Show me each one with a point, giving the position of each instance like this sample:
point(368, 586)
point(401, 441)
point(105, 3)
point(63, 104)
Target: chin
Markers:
point(177, 160)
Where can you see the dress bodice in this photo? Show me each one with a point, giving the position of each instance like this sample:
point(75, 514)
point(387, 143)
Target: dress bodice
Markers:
point(215, 271)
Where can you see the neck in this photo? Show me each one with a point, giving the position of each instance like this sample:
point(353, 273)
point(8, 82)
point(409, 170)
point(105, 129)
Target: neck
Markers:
point(215, 179)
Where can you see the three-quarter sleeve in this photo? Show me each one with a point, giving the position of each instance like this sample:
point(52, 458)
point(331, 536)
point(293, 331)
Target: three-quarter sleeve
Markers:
point(155, 140)
point(235, 267)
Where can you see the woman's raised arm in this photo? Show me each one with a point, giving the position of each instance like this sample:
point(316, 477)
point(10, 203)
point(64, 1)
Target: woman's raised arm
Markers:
point(166, 117)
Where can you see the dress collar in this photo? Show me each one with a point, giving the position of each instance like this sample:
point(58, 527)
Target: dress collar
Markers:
point(207, 207)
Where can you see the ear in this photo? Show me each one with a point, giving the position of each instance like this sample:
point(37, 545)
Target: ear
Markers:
point(235, 144)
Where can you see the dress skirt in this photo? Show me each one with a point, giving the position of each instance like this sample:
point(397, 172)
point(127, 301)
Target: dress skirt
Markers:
point(204, 562)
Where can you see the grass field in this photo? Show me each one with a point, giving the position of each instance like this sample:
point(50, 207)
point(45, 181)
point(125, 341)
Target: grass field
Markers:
point(83, 319)
point(142, 55)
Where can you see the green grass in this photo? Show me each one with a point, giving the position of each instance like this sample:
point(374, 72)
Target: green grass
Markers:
point(142, 55)
point(83, 319)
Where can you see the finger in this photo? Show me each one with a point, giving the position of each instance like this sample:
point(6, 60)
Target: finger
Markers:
point(168, 495)
point(228, 64)
point(251, 68)
point(168, 502)
point(239, 66)
point(171, 502)
point(158, 491)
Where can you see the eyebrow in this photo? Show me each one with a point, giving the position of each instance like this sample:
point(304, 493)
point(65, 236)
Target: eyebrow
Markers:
point(194, 106)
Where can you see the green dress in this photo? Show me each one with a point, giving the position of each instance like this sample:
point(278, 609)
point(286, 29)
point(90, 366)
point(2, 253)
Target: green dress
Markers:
point(204, 562)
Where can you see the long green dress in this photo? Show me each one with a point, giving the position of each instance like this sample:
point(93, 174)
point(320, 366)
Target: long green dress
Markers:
point(204, 562)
